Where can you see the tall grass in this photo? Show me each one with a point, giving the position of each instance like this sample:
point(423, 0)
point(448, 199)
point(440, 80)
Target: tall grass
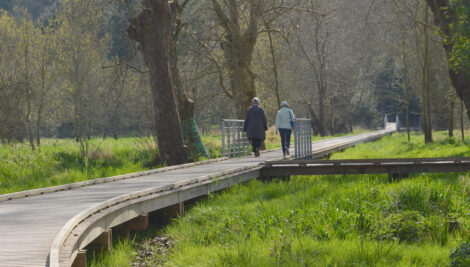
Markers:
point(397, 145)
point(323, 221)
point(339, 220)
point(120, 256)
point(59, 162)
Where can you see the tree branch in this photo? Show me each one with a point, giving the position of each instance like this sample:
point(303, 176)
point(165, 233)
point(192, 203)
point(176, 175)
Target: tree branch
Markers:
point(216, 62)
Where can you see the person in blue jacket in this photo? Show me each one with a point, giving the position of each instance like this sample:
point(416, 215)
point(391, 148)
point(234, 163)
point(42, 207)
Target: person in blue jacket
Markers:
point(284, 125)
point(255, 126)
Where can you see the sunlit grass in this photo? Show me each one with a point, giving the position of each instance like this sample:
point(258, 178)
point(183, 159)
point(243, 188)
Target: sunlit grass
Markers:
point(59, 161)
point(336, 220)
point(120, 256)
point(397, 145)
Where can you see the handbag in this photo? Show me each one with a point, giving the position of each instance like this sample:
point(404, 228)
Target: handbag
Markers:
point(292, 123)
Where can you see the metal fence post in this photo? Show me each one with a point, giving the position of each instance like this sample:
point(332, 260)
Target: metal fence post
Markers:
point(234, 139)
point(223, 138)
point(397, 121)
point(296, 149)
point(238, 139)
point(229, 148)
point(303, 139)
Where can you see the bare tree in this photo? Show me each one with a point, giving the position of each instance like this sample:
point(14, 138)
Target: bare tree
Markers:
point(427, 125)
point(238, 46)
point(318, 64)
point(152, 29)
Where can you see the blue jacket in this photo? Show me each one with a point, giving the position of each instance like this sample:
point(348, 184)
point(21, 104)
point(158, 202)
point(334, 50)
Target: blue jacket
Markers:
point(255, 123)
point(283, 118)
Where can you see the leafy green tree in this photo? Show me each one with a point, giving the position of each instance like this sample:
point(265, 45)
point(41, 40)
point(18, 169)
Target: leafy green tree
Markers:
point(459, 35)
point(452, 16)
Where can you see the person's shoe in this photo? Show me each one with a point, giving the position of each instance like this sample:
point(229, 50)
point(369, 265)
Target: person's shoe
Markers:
point(284, 156)
point(287, 152)
point(257, 154)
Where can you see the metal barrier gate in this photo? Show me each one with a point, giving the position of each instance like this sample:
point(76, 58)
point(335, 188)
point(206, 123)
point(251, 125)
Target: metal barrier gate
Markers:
point(303, 138)
point(234, 141)
point(236, 144)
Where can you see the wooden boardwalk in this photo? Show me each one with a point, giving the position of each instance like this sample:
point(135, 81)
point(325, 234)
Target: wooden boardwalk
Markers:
point(30, 225)
point(396, 168)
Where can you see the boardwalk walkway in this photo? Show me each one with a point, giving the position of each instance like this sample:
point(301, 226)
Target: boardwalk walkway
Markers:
point(29, 226)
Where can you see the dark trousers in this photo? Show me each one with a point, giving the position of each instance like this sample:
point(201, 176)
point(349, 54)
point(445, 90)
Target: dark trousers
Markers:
point(256, 143)
point(285, 139)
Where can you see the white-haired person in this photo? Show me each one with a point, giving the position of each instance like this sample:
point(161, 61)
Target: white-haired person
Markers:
point(285, 120)
point(255, 126)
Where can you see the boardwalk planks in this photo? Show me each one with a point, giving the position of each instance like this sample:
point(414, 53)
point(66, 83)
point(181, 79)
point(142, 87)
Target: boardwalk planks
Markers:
point(29, 225)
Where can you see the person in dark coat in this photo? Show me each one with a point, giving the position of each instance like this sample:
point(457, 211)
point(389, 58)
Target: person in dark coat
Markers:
point(255, 126)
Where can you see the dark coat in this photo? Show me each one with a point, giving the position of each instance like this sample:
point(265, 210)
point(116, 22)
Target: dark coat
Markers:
point(255, 123)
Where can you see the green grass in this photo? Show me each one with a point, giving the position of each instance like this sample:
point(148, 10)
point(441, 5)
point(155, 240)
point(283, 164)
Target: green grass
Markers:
point(397, 145)
point(122, 253)
point(59, 162)
point(340, 220)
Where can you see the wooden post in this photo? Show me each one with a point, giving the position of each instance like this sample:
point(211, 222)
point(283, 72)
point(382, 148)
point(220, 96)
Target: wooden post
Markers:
point(162, 217)
point(80, 259)
point(104, 241)
point(138, 223)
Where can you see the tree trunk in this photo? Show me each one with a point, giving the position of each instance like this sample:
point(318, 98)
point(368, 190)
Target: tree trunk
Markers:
point(444, 16)
point(273, 58)
point(326, 125)
point(316, 124)
point(38, 123)
point(28, 89)
point(462, 128)
point(191, 135)
point(238, 47)
point(322, 111)
point(451, 116)
point(242, 79)
point(152, 30)
point(427, 126)
point(405, 80)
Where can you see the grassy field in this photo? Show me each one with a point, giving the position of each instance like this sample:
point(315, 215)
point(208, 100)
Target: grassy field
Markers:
point(59, 160)
point(339, 220)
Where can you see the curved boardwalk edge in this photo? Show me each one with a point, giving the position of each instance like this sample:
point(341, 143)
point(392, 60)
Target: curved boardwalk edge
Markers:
point(52, 228)
point(52, 189)
point(83, 228)
point(86, 226)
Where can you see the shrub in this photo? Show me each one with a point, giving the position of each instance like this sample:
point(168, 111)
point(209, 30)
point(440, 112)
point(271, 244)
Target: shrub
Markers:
point(407, 226)
point(460, 257)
